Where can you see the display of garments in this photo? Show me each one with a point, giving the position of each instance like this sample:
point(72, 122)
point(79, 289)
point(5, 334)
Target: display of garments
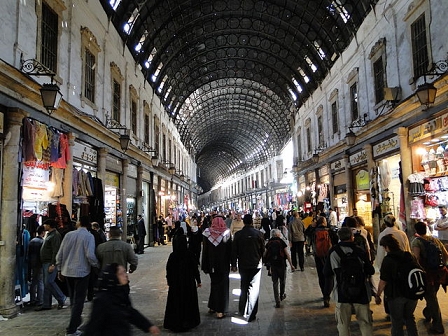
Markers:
point(57, 177)
point(416, 182)
point(417, 208)
point(28, 141)
point(40, 139)
point(323, 192)
point(385, 174)
point(64, 152)
point(54, 145)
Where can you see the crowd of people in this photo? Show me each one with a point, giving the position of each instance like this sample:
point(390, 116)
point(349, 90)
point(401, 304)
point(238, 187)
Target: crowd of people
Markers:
point(87, 265)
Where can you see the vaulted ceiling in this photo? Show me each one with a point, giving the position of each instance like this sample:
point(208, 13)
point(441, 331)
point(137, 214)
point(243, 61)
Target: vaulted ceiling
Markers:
point(231, 73)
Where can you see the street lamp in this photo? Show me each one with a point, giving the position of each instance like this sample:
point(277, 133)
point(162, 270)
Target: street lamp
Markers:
point(50, 94)
point(125, 138)
point(426, 92)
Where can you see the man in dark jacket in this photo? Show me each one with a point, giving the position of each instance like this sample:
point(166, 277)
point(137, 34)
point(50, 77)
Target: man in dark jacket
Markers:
point(248, 248)
point(141, 232)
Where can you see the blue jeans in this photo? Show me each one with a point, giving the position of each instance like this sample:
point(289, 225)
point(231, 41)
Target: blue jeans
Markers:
point(51, 287)
point(37, 286)
point(250, 290)
point(77, 287)
point(402, 312)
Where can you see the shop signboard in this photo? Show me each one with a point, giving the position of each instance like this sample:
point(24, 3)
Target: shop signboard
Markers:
point(387, 146)
point(337, 165)
point(358, 158)
point(35, 177)
point(323, 170)
point(428, 129)
point(362, 180)
point(85, 153)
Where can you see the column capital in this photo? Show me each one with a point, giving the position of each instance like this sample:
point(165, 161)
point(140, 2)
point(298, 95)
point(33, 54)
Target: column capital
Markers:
point(71, 138)
point(14, 116)
point(103, 151)
point(125, 163)
point(402, 132)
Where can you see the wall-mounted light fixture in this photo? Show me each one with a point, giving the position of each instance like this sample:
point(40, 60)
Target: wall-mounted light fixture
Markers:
point(426, 92)
point(317, 151)
point(50, 94)
point(123, 132)
point(169, 166)
point(154, 157)
point(350, 137)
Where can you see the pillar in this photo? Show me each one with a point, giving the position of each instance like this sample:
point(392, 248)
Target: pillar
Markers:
point(406, 170)
point(101, 164)
point(371, 165)
point(123, 193)
point(10, 210)
point(349, 185)
point(67, 199)
point(152, 209)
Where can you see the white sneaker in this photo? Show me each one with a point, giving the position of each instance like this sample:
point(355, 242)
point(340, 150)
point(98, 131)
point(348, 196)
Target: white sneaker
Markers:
point(76, 333)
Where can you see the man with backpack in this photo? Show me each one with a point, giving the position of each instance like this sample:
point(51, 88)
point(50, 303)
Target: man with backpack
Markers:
point(403, 282)
point(350, 268)
point(432, 255)
point(321, 241)
point(275, 257)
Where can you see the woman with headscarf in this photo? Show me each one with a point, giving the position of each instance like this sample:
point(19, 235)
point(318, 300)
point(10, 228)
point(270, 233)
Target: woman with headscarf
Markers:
point(112, 311)
point(216, 254)
point(182, 274)
point(195, 239)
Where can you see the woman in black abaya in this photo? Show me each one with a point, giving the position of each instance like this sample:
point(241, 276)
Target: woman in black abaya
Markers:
point(182, 274)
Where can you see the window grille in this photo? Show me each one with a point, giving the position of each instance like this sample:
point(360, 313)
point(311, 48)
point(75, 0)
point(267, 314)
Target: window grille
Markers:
point(378, 74)
point(334, 117)
point(419, 47)
point(49, 46)
point(354, 101)
point(116, 101)
point(89, 79)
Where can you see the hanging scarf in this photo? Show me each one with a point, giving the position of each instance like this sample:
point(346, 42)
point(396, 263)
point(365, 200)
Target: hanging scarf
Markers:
point(217, 231)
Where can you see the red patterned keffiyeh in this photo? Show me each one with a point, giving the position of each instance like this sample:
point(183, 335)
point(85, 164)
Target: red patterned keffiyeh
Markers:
point(216, 232)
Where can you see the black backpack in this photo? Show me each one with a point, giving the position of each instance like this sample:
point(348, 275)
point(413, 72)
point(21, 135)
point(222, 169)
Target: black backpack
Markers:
point(351, 278)
point(409, 279)
point(275, 253)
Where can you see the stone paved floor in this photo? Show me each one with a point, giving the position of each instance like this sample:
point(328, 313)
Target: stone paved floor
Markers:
point(302, 312)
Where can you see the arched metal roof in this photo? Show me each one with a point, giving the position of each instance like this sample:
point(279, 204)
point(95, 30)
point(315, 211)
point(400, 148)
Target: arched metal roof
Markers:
point(231, 73)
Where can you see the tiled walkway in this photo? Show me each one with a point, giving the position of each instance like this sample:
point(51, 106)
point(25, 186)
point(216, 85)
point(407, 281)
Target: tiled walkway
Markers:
point(302, 312)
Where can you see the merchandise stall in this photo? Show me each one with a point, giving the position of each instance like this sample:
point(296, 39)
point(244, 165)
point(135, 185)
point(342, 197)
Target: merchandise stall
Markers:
point(386, 176)
point(45, 153)
point(339, 204)
point(362, 187)
point(428, 183)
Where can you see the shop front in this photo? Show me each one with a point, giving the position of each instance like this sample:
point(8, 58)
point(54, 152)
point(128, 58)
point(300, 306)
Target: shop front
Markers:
point(112, 201)
point(88, 199)
point(323, 192)
point(386, 179)
point(428, 182)
point(46, 164)
point(361, 188)
point(131, 200)
point(339, 184)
